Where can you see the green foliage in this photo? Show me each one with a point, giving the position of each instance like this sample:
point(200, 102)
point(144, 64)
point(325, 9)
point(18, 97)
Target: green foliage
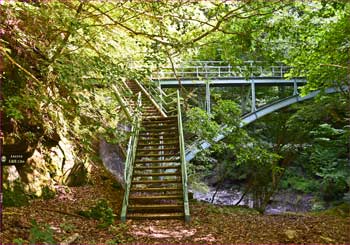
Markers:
point(41, 233)
point(240, 156)
point(67, 227)
point(102, 212)
point(15, 196)
point(48, 193)
point(19, 241)
point(300, 183)
point(120, 234)
point(342, 210)
point(200, 124)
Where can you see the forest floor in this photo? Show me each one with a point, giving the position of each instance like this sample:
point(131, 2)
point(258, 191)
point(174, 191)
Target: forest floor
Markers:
point(210, 224)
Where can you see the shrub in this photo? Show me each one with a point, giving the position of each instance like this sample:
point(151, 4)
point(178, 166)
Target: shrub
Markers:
point(15, 197)
point(102, 212)
point(41, 234)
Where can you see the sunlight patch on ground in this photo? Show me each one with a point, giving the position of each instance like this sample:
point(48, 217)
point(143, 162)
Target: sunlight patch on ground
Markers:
point(161, 232)
point(207, 238)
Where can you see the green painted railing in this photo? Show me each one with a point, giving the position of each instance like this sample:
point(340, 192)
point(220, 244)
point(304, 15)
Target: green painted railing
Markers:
point(183, 160)
point(130, 157)
point(151, 98)
point(123, 103)
point(167, 102)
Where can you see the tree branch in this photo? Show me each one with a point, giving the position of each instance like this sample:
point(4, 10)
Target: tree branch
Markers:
point(19, 66)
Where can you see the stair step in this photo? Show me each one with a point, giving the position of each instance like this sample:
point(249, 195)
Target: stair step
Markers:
point(144, 138)
point(164, 132)
point(150, 109)
point(164, 122)
point(160, 129)
point(149, 197)
point(156, 155)
point(158, 189)
point(156, 181)
point(157, 216)
point(157, 167)
point(157, 161)
point(163, 144)
point(156, 174)
point(158, 149)
point(159, 141)
point(161, 119)
point(154, 207)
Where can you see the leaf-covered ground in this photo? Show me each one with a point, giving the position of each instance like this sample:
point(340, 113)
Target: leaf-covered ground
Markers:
point(210, 224)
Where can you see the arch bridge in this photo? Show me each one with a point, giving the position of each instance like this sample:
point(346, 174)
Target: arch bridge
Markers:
point(250, 74)
point(211, 74)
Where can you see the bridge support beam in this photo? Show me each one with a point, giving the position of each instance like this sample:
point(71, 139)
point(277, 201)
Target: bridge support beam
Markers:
point(295, 85)
point(253, 96)
point(207, 97)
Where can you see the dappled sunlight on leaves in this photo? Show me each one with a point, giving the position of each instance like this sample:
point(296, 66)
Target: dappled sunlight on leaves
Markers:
point(162, 232)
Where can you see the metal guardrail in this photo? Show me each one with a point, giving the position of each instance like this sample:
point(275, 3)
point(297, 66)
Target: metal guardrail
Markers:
point(130, 157)
point(183, 160)
point(219, 69)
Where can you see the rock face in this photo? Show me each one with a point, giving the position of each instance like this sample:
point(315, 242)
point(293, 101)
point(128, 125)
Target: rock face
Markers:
point(113, 160)
point(45, 168)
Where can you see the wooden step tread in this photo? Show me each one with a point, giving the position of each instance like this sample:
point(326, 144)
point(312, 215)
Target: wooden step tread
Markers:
point(146, 137)
point(155, 207)
point(160, 120)
point(158, 149)
point(162, 133)
point(158, 155)
point(157, 161)
point(160, 144)
point(156, 189)
point(156, 181)
point(149, 197)
point(162, 123)
point(158, 134)
point(155, 174)
point(156, 216)
point(157, 167)
point(163, 129)
point(174, 140)
point(160, 128)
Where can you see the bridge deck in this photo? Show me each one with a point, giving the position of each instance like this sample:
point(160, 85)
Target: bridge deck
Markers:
point(229, 81)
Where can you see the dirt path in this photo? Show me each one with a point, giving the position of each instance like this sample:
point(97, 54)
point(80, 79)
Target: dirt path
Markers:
point(210, 224)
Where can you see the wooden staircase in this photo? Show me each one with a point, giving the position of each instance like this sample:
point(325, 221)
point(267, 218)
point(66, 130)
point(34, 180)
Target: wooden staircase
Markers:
point(156, 190)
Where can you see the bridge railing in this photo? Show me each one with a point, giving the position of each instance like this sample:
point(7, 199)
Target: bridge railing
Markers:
point(218, 69)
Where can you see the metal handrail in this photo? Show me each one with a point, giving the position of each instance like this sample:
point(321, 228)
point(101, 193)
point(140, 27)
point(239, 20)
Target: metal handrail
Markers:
point(183, 160)
point(166, 101)
point(150, 98)
point(123, 103)
point(206, 69)
point(131, 154)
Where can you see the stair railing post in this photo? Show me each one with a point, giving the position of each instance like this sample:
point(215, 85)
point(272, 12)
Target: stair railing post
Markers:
point(207, 97)
point(253, 96)
point(295, 87)
point(183, 161)
point(131, 155)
